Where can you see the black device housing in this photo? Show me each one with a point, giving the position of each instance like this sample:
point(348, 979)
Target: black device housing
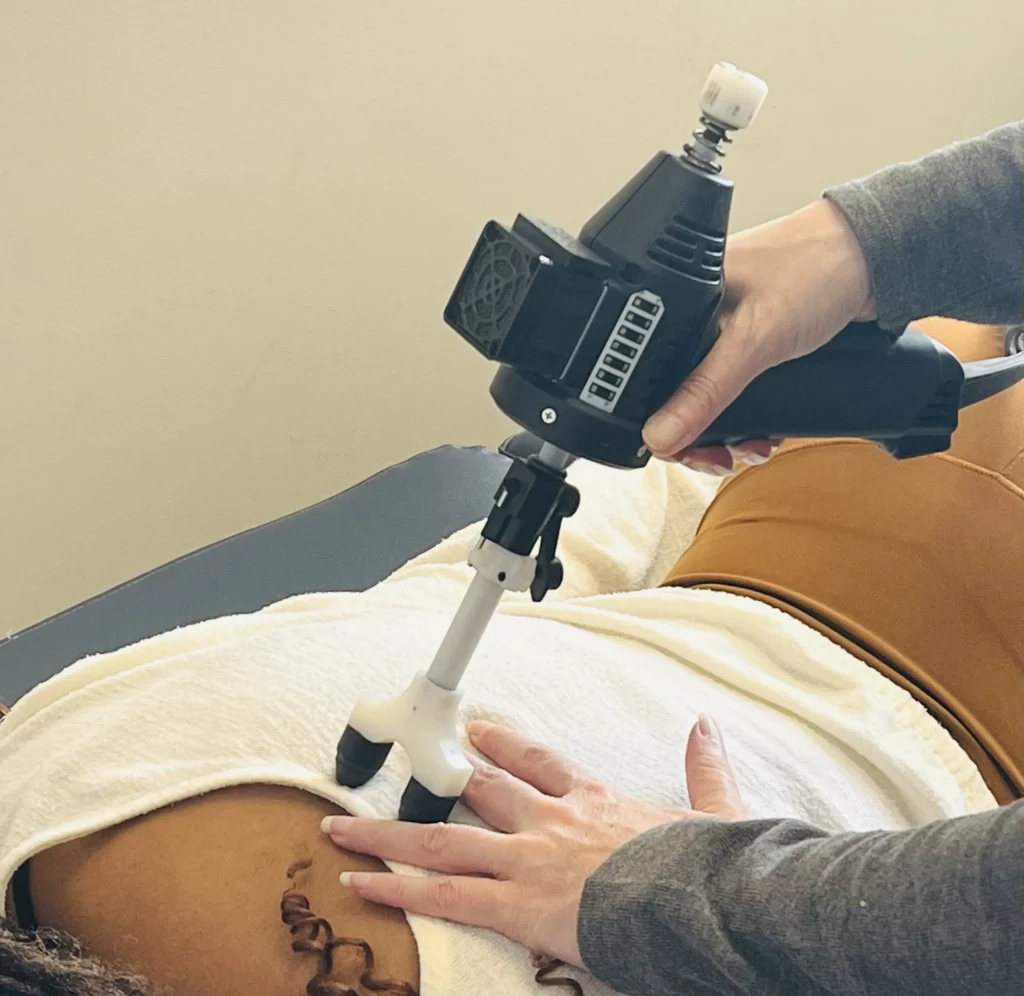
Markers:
point(546, 305)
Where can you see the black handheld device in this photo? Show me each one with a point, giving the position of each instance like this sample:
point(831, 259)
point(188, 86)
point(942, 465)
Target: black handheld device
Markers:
point(594, 333)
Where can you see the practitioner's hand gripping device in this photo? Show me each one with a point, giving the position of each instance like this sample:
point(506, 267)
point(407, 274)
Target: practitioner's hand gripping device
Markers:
point(593, 335)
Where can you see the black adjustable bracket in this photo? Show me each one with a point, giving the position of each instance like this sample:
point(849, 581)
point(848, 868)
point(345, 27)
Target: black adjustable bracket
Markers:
point(529, 505)
point(550, 572)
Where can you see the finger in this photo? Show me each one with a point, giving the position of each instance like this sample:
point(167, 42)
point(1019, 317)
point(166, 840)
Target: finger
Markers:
point(507, 803)
point(712, 386)
point(753, 452)
point(537, 765)
point(715, 460)
point(477, 902)
point(721, 461)
point(444, 847)
point(709, 777)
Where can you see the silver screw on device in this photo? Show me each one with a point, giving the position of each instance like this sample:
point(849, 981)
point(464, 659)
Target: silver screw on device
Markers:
point(548, 416)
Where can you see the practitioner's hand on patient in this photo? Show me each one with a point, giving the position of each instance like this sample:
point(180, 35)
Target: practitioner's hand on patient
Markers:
point(556, 827)
point(791, 285)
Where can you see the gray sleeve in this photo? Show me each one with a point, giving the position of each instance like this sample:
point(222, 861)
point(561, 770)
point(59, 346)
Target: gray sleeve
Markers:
point(945, 235)
point(777, 906)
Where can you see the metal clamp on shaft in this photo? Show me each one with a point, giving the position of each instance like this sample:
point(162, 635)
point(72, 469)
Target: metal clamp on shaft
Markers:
point(529, 506)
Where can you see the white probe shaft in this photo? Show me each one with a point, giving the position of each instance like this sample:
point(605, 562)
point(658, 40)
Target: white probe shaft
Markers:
point(477, 607)
point(468, 625)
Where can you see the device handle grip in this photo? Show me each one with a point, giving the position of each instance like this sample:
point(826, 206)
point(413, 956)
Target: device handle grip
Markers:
point(903, 393)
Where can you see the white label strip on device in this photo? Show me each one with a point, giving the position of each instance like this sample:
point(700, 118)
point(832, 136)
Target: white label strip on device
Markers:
point(621, 353)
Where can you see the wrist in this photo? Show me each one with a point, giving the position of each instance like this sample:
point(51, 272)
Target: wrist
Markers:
point(845, 256)
point(810, 270)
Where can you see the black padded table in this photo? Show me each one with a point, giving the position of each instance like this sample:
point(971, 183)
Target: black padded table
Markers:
point(345, 543)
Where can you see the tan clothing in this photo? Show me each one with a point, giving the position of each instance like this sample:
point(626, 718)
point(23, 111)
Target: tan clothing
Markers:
point(916, 567)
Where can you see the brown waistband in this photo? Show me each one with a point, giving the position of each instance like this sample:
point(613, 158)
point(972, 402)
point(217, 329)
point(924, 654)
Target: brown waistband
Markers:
point(916, 568)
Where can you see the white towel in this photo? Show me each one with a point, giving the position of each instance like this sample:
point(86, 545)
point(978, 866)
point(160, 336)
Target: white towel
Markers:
point(606, 670)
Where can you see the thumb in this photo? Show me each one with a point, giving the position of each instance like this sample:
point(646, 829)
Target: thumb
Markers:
point(712, 386)
point(709, 777)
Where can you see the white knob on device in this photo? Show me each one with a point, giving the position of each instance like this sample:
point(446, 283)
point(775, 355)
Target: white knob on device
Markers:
point(732, 97)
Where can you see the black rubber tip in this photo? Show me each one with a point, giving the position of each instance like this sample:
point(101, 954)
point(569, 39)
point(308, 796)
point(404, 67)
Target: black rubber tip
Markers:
point(420, 806)
point(358, 759)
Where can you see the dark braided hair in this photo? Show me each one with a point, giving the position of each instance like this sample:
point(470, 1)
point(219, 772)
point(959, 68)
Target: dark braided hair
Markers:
point(50, 963)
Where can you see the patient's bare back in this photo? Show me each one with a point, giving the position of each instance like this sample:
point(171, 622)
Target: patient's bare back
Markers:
point(233, 893)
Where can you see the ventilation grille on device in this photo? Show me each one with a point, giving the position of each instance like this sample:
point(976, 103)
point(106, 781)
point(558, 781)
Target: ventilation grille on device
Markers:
point(684, 248)
point(492, 290)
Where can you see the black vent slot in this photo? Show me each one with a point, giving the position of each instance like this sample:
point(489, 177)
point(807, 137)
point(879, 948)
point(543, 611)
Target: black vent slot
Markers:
point(683, 237)
point(698, 230)
point(688, 249)
point(667, 260)
point(677, 249)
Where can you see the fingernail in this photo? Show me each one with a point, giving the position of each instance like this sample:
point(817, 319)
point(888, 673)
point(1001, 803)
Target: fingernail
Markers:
point(701, 466)
point(354, 880)
point(748, 457)
point(334, 825)
point(477, 727)
point(708, 728)
point(712, 469)
point(664, 433)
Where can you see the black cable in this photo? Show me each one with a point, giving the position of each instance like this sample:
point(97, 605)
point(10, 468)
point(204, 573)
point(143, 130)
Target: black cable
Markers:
point(984, 378)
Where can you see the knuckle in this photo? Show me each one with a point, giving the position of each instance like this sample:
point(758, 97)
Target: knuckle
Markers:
point(715, 766)
point(398, 889)
point(703, 392)
point(436, 838)
point(445, 895)
point(707, 759)
point(541, 851)
point(713, 778)
point(534, 756)
point(485, 777)
point(595, 788)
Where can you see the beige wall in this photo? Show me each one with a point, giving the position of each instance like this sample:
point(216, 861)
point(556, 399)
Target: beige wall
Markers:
point(228, 227)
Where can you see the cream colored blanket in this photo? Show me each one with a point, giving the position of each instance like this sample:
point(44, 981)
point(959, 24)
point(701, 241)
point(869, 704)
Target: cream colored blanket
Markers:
point(608, 670)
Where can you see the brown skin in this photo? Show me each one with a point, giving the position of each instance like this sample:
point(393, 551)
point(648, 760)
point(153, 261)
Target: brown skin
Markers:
point(189, 896)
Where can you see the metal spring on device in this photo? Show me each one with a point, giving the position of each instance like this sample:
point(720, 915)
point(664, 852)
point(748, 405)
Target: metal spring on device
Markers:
point(706, 148)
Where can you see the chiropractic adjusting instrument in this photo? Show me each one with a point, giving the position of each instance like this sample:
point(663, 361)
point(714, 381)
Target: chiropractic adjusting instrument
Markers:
point(593, 334)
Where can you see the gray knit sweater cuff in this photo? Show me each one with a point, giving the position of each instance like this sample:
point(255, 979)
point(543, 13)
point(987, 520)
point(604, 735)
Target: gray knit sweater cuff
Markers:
point(945, 235)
